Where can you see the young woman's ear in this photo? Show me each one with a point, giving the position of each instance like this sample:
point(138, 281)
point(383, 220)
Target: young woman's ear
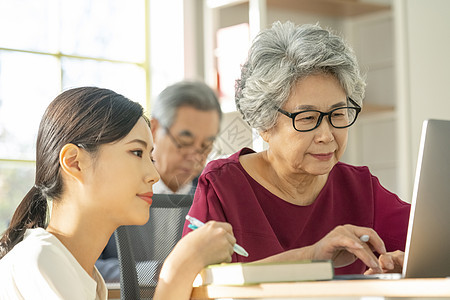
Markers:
point(70, 161)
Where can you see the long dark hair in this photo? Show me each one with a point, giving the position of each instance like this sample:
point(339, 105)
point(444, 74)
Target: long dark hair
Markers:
point(87, 117)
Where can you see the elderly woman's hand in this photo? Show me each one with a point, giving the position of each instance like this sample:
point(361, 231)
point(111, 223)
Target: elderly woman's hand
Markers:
point(391, 262)
point(343, 246)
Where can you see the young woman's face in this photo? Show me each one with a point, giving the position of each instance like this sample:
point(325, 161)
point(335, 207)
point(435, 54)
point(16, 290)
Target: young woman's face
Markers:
point(121, 178)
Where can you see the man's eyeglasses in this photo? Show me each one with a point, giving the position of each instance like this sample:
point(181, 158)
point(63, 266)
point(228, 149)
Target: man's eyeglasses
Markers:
point(307, 120)
point(187, 144)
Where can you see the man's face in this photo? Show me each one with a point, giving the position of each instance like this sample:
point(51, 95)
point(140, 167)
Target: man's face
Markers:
point(180, 151)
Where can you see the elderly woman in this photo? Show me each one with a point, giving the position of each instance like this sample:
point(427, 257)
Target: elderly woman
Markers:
point(301, 89)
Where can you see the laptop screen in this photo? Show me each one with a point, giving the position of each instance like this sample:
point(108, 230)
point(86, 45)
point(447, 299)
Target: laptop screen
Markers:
point(427, 252)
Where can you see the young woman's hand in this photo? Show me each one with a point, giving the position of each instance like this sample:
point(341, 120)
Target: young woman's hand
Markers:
point(209, 244)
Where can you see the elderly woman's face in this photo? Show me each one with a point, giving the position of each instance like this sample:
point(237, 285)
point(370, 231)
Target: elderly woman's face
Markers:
point(317, 151)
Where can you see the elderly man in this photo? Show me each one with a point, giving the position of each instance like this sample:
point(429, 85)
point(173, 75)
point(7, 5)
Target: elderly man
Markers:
point(185, 121)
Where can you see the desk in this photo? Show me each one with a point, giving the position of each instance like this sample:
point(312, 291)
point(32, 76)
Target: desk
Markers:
point(344, 289)
point(114, 291)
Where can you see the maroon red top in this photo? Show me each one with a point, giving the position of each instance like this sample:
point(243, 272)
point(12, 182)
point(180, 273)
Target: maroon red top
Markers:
point(265, 224)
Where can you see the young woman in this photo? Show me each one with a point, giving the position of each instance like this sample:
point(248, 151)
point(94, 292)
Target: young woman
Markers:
point(94, 166)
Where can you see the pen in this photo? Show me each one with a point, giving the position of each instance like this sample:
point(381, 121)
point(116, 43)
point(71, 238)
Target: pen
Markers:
point(197, 224)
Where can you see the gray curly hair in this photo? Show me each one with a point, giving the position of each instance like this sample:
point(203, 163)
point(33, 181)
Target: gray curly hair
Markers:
point(281, 56)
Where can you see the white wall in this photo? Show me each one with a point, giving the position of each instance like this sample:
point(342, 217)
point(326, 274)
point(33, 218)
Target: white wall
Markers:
point(429, 61)
point(423, 50)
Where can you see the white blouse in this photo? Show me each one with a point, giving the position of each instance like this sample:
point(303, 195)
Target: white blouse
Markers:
point(41, 267)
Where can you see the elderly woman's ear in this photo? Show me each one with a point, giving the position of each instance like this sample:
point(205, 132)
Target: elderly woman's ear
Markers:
point(265, 135)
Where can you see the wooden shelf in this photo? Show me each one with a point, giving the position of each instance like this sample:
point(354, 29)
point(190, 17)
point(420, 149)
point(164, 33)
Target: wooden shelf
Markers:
point(338, 8)
point(369, 108)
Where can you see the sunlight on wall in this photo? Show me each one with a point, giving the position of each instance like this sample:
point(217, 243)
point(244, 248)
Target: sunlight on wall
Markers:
point(166, 43)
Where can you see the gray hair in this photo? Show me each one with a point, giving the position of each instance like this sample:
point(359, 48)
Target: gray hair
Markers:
point(281, 56)
point(195, 94)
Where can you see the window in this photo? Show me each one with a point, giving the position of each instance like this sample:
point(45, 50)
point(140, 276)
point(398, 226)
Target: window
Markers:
point(47, 46)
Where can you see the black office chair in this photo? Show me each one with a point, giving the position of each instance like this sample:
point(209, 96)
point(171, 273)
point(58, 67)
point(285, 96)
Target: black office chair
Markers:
point(143, 249)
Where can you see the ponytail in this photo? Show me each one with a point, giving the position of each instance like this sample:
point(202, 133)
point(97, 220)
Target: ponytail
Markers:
point(30, 213)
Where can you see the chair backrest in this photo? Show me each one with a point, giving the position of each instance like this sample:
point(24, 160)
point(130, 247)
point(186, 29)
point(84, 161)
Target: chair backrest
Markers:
point(143, 249)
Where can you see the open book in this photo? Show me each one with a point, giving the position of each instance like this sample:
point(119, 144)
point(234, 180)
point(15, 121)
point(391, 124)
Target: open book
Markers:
point(254, 273)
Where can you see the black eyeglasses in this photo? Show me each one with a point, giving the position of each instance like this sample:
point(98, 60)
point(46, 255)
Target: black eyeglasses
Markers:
point(187, 146)
point(307, 120)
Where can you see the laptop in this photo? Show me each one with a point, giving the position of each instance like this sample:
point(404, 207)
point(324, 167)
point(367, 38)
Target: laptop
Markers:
point(427, 252)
